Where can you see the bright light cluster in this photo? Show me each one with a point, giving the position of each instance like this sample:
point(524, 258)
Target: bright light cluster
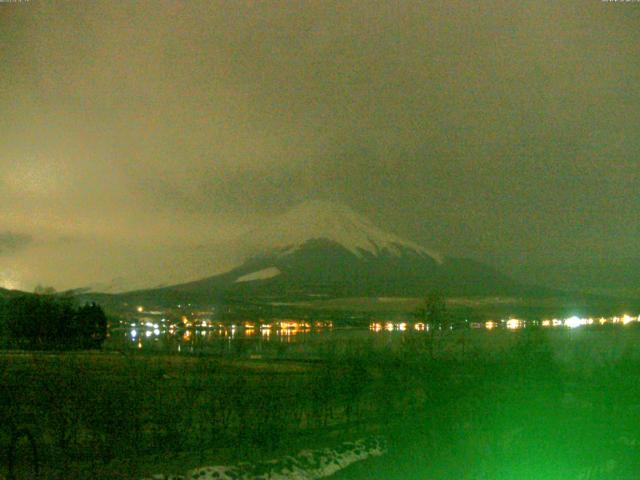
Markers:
point(400, 326)
point(514, 324)
point(575, 321)
point(511, 323)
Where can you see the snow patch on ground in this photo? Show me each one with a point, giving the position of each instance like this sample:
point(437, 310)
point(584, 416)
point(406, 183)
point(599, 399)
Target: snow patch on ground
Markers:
point(263, 274)
point(306, 465)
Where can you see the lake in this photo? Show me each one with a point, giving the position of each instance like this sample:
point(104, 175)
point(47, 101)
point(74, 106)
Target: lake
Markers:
point(299, 340)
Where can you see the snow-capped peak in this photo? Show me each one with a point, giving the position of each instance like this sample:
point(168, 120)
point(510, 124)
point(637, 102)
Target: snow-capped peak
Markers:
point(325, 220)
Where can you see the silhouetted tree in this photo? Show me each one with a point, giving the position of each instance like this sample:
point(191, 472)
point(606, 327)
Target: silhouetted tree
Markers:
point(48, 321)
point(4, 333)
point(434, 313)
point(91, 323)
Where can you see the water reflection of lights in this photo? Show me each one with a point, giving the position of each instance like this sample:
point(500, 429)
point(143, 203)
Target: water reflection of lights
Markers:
point(419, 327)
point(293, 325)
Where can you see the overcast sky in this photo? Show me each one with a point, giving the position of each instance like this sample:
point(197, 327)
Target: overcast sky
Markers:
point(136, 136)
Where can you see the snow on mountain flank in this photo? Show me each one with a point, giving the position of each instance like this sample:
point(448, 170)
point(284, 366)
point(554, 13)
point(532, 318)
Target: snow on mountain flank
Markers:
point(263, 274)
point(337, 223)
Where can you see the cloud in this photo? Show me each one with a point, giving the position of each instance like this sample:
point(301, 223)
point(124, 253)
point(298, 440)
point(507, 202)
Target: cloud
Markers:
point(12, 242)
point(482, 130)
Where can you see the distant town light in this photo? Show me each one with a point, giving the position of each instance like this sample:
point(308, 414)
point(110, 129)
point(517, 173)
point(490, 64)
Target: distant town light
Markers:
point(574, 322)
point(140, 309)
point(514, 324)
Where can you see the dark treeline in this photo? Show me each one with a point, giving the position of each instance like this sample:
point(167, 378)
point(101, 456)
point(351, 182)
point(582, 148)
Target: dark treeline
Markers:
point(48, 321)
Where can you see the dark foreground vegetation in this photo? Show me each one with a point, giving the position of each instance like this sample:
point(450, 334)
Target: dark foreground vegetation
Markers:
point(50, 322)
point(536, 404)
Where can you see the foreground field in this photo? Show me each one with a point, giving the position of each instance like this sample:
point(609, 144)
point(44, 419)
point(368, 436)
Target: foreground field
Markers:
point(532, 404)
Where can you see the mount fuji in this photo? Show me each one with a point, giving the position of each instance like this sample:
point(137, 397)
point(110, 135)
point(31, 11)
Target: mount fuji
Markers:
point(321, 249)
point(315, 220)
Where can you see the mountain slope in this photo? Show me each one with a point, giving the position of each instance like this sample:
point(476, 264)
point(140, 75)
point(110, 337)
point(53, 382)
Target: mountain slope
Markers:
point(320, 249)
point(321, 267)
